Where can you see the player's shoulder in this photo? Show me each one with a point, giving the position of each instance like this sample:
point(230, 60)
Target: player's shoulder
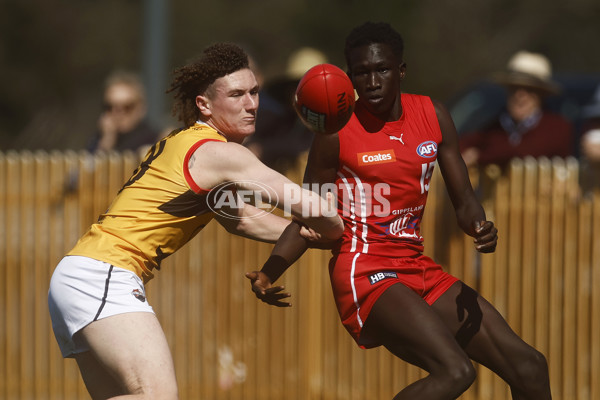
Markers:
point(421, 100)
point(194, 135)
point(416, 98)
point(439, 107)
point(223, 152)
point(202, 131)
point(430, 105)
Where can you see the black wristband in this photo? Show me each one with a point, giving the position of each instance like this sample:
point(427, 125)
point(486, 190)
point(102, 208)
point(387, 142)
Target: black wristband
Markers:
point(275, 267)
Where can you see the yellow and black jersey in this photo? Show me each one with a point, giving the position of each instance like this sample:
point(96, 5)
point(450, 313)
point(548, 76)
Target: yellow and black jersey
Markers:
point(157, 211)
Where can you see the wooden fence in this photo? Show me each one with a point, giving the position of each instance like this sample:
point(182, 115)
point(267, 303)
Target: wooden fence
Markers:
point(544, 278)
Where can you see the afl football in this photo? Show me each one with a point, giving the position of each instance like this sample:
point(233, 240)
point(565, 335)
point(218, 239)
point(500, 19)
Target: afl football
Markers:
point(324, 99)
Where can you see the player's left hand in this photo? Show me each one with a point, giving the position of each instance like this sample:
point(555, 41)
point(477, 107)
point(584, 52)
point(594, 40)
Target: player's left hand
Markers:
point(486, 236)
point(262, 288)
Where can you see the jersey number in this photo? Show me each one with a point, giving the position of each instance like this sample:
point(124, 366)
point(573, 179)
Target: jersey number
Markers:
point(426, 173)
point(154, 152)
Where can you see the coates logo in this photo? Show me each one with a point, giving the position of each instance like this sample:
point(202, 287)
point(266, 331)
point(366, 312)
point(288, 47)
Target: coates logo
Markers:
point(376, 157)
point(228, 198)
point(427, 149)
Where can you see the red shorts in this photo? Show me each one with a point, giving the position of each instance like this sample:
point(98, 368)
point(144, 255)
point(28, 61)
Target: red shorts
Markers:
point(358, 279)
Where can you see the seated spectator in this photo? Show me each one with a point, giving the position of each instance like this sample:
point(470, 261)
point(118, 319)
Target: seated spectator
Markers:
point(122, 124)
point(524, 128)
point(590, 145)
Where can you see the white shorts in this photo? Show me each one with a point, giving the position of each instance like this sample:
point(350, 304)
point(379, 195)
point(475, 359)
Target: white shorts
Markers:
point(83, 290)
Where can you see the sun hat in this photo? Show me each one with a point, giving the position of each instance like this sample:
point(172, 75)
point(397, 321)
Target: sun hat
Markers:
point(531, 70)
point(302, 60)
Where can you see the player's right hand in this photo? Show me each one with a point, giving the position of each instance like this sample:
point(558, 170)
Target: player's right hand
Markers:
point(262, 288)
point(486, 236)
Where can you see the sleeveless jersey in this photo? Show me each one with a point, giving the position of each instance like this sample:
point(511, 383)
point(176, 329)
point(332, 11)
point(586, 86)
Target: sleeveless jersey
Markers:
point(383, 178)
point(158, 210)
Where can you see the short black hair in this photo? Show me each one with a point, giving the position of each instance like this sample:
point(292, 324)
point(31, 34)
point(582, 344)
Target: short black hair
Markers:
point(216, 61)
point(374, 32)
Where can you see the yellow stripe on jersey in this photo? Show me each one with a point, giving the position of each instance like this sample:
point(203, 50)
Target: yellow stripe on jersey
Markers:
point(158, 210)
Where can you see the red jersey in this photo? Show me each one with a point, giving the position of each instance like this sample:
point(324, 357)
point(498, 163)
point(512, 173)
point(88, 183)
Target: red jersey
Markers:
point(383, 178)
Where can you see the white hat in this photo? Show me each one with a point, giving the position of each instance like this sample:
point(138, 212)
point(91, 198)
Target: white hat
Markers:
point(531, 70)
point(302, 60)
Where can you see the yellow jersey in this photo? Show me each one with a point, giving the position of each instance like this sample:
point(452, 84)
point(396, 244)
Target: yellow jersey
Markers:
point(158, 210)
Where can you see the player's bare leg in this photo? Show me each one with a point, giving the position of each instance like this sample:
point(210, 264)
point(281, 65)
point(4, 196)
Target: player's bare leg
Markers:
point(488, 339)
point(129, 355)
point(408, 327)
point(99, 383)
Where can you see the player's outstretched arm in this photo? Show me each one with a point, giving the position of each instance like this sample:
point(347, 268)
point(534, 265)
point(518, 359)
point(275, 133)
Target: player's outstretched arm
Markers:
point(321, 169)
point(469, 212)
point(216, 163)
point(251, 222)
point(255, 223)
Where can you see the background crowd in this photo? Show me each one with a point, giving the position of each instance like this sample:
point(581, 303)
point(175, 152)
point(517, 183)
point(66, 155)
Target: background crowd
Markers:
point(56, 91)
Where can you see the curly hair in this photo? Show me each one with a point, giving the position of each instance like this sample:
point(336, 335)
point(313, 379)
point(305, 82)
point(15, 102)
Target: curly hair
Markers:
point(374, 32)
point(194, 78)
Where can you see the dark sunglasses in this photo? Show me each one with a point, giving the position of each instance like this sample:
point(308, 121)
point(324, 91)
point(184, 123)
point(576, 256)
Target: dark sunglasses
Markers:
point(125, 107)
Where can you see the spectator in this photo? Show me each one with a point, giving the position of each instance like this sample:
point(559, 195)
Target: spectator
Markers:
point(122, 124)
point(524, 128)
point(590, 145)
point(280, 136)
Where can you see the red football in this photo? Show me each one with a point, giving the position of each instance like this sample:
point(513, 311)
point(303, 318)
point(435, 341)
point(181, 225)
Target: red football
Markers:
point(324, 98)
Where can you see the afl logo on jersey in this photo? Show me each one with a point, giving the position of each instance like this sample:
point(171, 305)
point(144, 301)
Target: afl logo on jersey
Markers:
point(427, 149)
